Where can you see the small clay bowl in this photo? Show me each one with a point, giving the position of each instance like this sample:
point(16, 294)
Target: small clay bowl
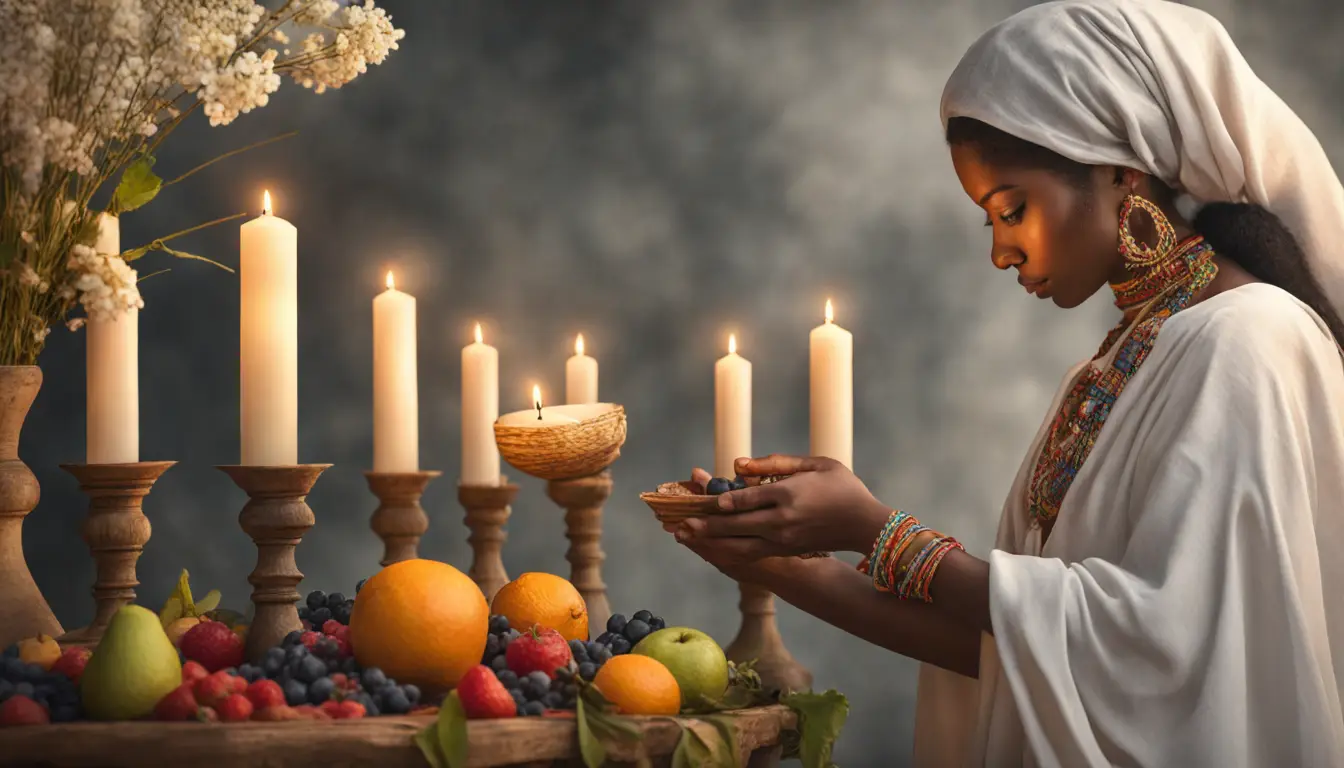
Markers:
point(673, 502)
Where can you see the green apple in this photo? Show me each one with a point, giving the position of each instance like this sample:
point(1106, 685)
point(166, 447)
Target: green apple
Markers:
point(133, 667)
point(693, 658)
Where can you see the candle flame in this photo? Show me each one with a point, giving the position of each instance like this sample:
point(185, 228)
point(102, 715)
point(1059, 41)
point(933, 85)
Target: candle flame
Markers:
point(479, 338)
point(732, 344)
point(578, 345)
point(830, 312)
point(266, 202)
point(536, 396)
point(391, 284)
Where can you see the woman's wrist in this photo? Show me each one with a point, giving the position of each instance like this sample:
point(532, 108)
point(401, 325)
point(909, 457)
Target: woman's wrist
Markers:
point(867, 527)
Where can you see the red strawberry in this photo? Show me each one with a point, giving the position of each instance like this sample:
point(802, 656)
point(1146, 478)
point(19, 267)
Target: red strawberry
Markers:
point(21, 710)
point(235, 709)
point(239, 683)
point(343, 649)
point(213, 689)
point(191, 672)
point(71, 662)
point(212, 644)
point(333, 628)
point(351, 710)
point(310, 640)
point(311, 712)
point(276, 714)
point(538, 650)
point(178, 705)
point(332, 708)
point(265, 693)
point(483, 696)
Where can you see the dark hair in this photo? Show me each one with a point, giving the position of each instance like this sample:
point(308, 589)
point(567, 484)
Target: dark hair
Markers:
point(1245, 233)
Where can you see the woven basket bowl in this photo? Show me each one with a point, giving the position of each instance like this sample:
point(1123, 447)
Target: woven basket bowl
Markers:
point(673, 502)
point(565, 451)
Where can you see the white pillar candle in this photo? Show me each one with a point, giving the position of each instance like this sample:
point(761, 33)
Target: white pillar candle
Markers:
point(112, 370)
point(268, 358)
point(732, 410)
point(396, 408)
point(580, 376)
point(480, 408)
point(832, 384)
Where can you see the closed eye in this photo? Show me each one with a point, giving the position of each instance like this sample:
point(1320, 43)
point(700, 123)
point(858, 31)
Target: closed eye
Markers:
point(1010, 218)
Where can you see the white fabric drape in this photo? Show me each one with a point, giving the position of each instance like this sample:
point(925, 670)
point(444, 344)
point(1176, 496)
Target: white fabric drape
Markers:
point(1188, 607)
point(1159, 87)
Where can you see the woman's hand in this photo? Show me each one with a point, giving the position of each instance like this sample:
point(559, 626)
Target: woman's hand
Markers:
point(822, 506)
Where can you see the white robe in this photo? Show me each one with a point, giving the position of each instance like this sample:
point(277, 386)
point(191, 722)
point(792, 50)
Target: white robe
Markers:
point(1188, 608)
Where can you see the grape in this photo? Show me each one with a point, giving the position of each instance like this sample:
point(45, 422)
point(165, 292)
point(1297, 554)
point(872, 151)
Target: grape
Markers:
point(292, 639)
point(507, 678)
point(321, 690)
point(620, 645)
point(316, 599)
point(553, 700)
point(643, 616)
point(616, 624)
point(412, 693)
point(342, 612)
point(296, 693)
point(636, 630)
point(359, 585)
point(335, 599)
point(657, 623)
point(499, 663)
point(534, 708)
point(588, 670)
point(372, 679)
point(540, 680)
point(579, 650)
point(310, 668)
point(603, 655)
point(499, 625)
point(491, 648)
point(305, 613)
point(350, 666)
point(11, 669)
point(518, 697)
point(395, 702)
point(320, 616)
point(370, 706)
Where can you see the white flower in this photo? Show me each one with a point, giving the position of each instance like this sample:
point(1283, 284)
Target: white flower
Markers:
point(239, 87)
point(40, 334)
point(365, 36)
point(75, 323)
point(104, 283)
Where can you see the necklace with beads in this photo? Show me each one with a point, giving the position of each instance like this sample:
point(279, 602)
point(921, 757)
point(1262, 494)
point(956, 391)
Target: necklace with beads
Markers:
point(1148, 301)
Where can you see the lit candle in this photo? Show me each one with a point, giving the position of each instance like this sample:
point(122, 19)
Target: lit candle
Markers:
point(480, 408)
point(732, 410)
point(538, 416)
point(396, 409)
point(268, 358)
point(580, 376)
point(112, 370)
point(832, 377)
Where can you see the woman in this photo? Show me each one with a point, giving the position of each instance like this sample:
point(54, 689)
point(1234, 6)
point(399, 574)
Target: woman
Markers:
point(1165, 589)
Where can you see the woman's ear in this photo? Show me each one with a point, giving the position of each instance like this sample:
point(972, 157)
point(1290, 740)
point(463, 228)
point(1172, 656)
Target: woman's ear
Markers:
point(1128, 179)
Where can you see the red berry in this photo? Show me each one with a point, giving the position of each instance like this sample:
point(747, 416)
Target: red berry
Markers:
point(265, 693)
point(538, 650)
point(333, 627)
point(213, 689)
point(212, 644)
point(343, 649)
point(351, 710)
point(276, 714)
point(310, 639)
point(21, 710)
point(239, 683)
point(483, 696)
point(72, 661)
point(235, 709)
point(332, 708)
point(191, 672)
point(178, 705)
point(310, 712)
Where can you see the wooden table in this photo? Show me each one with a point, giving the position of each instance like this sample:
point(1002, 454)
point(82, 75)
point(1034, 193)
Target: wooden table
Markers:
point(382, 742)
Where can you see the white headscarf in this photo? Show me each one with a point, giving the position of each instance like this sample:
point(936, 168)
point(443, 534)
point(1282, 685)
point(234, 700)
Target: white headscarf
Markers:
point(1159, 87)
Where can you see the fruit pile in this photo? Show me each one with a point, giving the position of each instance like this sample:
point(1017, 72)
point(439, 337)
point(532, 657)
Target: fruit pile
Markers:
point(319, 608)
point(39, 682)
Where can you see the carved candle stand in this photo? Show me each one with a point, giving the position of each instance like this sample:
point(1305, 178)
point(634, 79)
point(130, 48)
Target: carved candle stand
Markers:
point(759, 639)
point(487, 509)
point(276, 516)
point(582, 499)
point(399, 520)
point(116, 531)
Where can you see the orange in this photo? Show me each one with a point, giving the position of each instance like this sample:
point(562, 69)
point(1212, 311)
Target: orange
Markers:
point(639, 685)
point(545, 599)
point(421, 622)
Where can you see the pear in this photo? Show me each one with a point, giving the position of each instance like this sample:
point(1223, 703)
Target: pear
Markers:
point(133, 667)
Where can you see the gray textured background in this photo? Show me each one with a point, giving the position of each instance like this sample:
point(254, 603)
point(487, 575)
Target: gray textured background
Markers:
point(649, 174)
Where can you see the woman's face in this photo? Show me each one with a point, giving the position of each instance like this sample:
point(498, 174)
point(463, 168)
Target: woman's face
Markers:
point(1061, 235)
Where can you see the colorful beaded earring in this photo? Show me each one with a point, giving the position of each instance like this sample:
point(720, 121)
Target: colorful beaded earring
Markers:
point(1140, 255)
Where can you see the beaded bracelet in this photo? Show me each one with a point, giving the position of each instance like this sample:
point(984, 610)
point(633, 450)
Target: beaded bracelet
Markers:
point(915, 577)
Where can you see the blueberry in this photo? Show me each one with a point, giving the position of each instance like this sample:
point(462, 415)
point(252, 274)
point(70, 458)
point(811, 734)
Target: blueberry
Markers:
point(412, 693)
point(636, 630)
point(320, 690)
point(557, 685)
point(342, 612)
point(310, 669)
point(603, 656)
point(395, 701)
point(316, 599)
point(371, 707)
point(739, 482)
point(718, 485)
point(534, 708)
point(491, 647)
point(359, 585)
point(293, 638)
point(620, 645)
point(333, 666)
point(540, 680)
point(553, 700)
point(578, 649)
point(296, 693)
point(320, 616)
point(657, 623)
point(507, 678)
point(643, 616)
point(305, 614)
point(594, 649)
point(335, 599)
point(499, 663)
point(518, 697)
point(499, 624)
point(295, 652)
point(616, 624)
point(372, 679)
point(587, 670)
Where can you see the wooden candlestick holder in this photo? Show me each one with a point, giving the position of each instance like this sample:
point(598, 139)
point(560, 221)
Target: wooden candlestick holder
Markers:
point(399, 520)
point(582, 499)
point(116, 531)
point(759, 639)
point(276, 516)
point(487, 509)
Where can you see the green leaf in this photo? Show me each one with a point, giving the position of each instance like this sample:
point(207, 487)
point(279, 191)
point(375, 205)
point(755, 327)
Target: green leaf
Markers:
point(139, 184)
point(88, 232)
point(224, 616)
point(727, 728)
point(692, 751)
point(192, 256)
point(428, 742)
point(590, 745)
point(208, 603)
point(134, 253)
point(706, 744)
point(172, 611)
point(451, 730)
point(820, 718)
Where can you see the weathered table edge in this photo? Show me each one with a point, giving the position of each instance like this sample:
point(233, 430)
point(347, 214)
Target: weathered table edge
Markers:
point(382, 741)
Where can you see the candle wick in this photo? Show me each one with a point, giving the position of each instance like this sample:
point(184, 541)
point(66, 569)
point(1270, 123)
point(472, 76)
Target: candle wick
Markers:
point(538, 411)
